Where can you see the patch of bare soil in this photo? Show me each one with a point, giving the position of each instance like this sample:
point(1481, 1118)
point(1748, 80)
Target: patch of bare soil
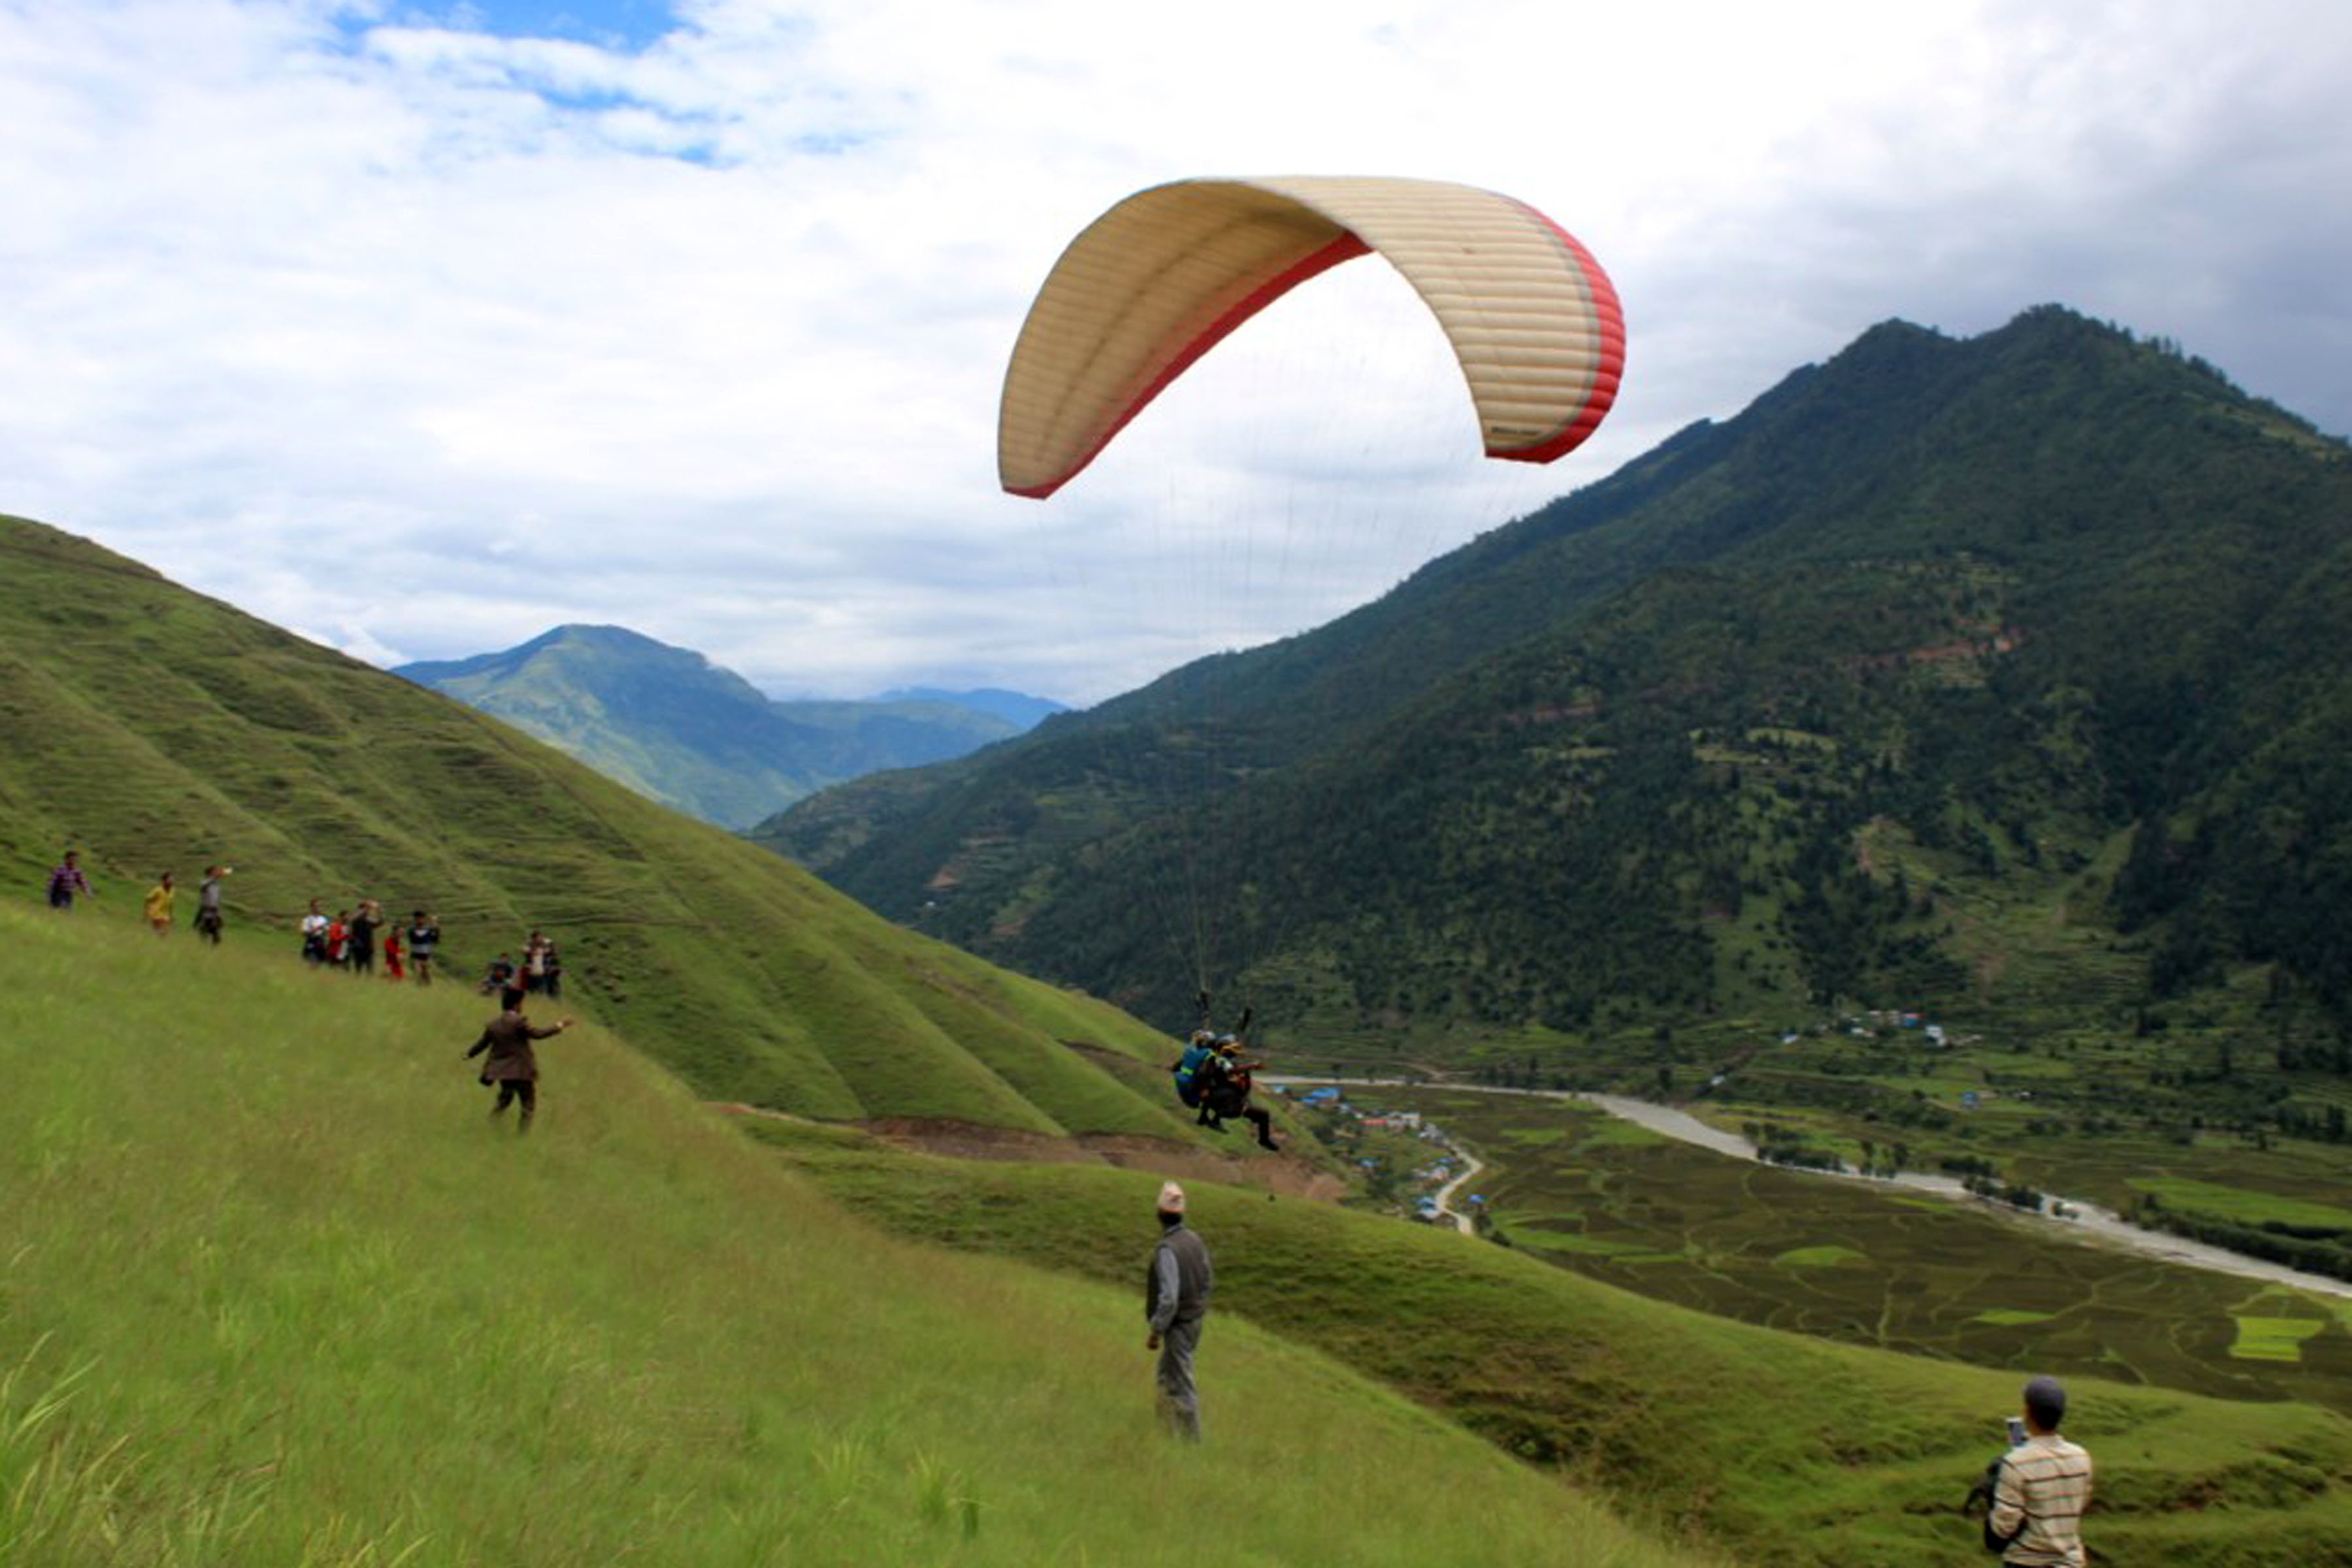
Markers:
point(1117, 1062)
point(736, 1108)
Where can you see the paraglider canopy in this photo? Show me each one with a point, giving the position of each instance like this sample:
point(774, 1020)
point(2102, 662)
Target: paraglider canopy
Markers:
point(1158, 279)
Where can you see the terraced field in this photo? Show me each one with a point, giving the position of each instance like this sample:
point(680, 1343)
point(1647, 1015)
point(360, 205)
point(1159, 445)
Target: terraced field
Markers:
point(1874, 1266)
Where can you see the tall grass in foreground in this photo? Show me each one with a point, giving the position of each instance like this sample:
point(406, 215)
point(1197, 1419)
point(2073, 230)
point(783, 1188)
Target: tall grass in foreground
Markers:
point(272, 1290)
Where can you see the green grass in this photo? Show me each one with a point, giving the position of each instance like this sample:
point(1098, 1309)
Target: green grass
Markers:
point(2274, 1339)
point(1541, 1239)
point(151, 728)
point(1774, 1447)
point(273, 1291)
point(1819, 1256)
point(2239, 1203)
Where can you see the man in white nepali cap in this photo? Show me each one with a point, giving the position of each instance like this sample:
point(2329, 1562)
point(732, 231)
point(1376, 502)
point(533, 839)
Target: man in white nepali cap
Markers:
point(1175, 1301)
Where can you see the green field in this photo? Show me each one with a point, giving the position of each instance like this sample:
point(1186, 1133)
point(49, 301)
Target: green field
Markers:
point(272, 1292)
point(2238, 1203)
point(153, 728)
point(1776, 1448)
point(2183, 1116)
point(1875, 1265)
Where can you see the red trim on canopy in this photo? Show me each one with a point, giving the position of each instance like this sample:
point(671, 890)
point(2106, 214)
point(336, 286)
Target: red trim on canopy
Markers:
point(1611, 317)
point(1347, 247)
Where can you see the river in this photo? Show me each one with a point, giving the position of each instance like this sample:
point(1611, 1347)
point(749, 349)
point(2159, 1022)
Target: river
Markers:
point(2087, 1222)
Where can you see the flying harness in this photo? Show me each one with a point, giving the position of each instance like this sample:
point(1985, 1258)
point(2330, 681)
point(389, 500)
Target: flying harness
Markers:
point(1197, 1068)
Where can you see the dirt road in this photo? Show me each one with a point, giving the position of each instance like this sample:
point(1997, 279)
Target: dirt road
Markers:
point(1472, 1166)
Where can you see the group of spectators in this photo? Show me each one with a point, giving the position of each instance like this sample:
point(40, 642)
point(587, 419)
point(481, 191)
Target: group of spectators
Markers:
point(349, 939)
point(541, 973)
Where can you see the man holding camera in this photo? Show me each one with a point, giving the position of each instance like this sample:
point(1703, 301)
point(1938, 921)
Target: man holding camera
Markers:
point(2044, 1484)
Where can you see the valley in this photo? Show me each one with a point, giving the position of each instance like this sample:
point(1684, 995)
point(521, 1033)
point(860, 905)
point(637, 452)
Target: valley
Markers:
point(763, 765)
point(1598, 1189)
point(1774, 779)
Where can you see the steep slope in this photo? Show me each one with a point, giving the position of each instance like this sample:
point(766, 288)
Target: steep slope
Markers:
point(153, 728)
point(270, 1292)
point(2047, 604)
point(671, 725)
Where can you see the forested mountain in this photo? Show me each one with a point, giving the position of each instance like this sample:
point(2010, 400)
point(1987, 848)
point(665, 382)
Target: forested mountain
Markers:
point(671, 724)
point(2011, 672)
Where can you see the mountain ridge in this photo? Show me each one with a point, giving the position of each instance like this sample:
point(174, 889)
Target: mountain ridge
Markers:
point(2033, 501)
point(679, 728)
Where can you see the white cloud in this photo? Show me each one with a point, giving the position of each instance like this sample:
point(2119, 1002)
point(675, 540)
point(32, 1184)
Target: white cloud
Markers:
point(431, 338)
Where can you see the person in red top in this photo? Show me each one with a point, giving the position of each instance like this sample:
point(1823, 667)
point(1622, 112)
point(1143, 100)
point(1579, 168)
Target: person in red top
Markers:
point(391, 953)
point(339, 938)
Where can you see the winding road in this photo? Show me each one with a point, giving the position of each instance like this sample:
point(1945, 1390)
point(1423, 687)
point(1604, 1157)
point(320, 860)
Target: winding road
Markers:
point(1446, 1194)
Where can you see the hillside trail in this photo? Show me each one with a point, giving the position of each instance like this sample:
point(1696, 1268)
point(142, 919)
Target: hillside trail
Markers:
point(2089, 1223)
point(1462, 1222)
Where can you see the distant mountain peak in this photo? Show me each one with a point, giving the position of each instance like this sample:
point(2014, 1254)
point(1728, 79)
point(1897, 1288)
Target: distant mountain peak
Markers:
point(670, 723)
point(603, 636)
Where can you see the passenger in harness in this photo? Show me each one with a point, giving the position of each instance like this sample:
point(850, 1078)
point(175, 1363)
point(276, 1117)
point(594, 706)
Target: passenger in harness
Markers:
point(1229, 1094)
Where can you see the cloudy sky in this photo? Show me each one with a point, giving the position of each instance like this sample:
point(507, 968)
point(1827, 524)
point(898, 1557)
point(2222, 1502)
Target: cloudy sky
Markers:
point(419, 328)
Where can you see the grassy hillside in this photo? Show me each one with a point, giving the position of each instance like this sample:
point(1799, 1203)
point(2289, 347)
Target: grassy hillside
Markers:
point(1775, 1447)
point(272, 1292)
point(150, 727)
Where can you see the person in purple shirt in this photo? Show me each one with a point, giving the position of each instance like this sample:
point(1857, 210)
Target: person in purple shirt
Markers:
point(67, 881)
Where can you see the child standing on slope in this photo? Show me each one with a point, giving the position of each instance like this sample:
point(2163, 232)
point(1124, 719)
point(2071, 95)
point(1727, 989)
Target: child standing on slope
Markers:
point(67, 881)
point(159, 904)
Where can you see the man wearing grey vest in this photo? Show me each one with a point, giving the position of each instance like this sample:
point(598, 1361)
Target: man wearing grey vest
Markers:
point(1175, 1299)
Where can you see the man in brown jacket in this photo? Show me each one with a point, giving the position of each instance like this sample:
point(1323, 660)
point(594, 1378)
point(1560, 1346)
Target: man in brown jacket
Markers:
point(512, 1065)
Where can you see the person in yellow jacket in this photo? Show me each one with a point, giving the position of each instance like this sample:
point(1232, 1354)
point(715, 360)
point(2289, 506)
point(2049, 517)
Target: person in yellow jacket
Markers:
point(159, 905)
